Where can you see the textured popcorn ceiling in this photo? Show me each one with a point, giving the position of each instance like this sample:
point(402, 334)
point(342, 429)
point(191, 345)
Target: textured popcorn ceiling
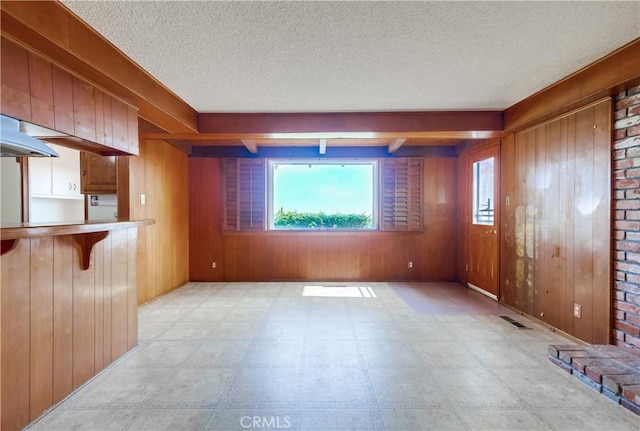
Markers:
point(360, 56)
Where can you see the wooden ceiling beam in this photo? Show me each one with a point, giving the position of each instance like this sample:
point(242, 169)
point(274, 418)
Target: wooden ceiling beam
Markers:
point(251, 145)
point(324, 135)
point(397, 143)
point(364, 123)
point(53, 31)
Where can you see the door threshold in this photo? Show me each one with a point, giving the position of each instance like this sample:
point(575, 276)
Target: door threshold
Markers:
point(484, 292)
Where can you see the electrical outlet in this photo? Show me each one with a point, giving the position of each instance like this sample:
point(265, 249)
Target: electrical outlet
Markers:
point(577, 310)
point(410, 264)
point(214, 265)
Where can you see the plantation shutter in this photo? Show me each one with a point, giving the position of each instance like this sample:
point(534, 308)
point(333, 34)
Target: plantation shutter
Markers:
point(401, 202)
point(245, 194)
point(230, 167)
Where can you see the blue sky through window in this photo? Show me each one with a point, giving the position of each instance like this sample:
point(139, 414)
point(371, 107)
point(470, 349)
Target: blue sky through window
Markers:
point(323, 187)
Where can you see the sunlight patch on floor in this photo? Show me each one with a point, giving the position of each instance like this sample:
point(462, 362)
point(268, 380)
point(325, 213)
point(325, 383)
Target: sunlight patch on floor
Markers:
point(339, 291)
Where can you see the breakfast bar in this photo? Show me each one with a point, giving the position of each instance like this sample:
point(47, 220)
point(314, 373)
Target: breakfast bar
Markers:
point(69, 307)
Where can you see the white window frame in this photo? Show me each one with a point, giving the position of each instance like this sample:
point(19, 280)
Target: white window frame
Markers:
point(271, 163)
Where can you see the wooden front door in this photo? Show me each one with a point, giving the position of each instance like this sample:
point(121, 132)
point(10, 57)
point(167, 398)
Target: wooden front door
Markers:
point(482, 220)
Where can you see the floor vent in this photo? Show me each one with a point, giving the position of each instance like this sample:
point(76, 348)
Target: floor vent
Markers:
point(514, 323)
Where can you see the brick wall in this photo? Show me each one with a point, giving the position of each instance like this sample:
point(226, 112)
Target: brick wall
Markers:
point(626, 229)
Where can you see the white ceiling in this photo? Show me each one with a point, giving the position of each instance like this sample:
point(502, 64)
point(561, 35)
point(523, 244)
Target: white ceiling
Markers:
point(360, 56)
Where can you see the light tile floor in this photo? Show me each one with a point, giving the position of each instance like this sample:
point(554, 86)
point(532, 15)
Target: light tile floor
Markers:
point(237, 356)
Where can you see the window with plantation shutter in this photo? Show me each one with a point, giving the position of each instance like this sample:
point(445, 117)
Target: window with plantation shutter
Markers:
point(401, 194)
point(245, 194)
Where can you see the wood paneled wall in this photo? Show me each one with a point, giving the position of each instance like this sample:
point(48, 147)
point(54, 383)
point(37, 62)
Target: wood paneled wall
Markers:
point(62, 325)
point(462, 208)
point(160, 173)
point(556, 228)
point(322, 256)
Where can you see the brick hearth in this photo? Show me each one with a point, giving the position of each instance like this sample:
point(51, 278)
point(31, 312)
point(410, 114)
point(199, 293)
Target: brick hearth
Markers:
point(605, 368)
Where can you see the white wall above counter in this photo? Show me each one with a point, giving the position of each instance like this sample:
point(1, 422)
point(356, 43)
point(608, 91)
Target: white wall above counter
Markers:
point(10, 199)
point(102, 207)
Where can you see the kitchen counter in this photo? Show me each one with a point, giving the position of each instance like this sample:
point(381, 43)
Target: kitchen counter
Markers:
point(34, 230)
point(85, 233)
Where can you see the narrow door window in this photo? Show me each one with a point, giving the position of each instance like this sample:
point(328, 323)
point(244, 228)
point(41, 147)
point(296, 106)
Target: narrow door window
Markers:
point(483, 199)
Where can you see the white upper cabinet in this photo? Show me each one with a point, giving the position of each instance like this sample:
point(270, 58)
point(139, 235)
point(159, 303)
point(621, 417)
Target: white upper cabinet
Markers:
point(56, 176)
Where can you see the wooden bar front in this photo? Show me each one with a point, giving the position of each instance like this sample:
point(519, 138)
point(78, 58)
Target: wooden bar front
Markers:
point(62, 324)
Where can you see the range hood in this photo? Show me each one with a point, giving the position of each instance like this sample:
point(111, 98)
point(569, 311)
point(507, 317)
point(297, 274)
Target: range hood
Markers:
point(15, 143)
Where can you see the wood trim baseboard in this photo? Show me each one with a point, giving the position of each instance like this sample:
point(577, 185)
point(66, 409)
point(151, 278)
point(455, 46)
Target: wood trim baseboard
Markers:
point(482, 291)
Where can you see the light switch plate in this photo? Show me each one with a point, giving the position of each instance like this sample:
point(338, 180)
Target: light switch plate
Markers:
point(143, 199)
